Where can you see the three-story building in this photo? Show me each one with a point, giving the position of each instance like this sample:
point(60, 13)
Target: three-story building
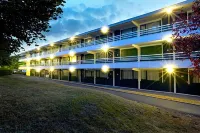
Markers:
point(130, 53)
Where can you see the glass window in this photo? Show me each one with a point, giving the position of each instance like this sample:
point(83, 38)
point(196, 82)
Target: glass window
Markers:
point(127, 74)
point(89, 74)
point(153, 75)
point(153, 25)
point(135, 75)
point(196, 79)
point(74, 73)
point(143, 74)
point(126, 31)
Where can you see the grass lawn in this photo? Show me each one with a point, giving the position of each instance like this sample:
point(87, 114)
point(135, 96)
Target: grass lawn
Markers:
point(29, 104)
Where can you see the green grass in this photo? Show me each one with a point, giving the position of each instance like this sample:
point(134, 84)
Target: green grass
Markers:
point(39, 105)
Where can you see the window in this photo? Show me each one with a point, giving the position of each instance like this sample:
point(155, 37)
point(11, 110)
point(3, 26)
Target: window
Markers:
point(143, 74)
point(74, 73)
point(65, 72)
point(101, 74)
point(153, 75)
point(126, 31)
point(135, 75)
point(89, 74)
point(127, 74)
point(153, 25)
point(196, 79)
point(150, 25)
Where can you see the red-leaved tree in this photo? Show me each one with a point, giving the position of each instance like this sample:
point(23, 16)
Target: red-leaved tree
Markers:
point(186, 35)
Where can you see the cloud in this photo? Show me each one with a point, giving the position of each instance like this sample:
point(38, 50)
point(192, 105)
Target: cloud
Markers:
point(82, 18)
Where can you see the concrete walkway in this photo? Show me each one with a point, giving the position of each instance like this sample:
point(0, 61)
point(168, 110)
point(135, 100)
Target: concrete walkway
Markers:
point(168, 104)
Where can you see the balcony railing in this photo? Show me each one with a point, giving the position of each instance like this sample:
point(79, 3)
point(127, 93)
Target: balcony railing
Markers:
point(124, 36)
point(152, 57)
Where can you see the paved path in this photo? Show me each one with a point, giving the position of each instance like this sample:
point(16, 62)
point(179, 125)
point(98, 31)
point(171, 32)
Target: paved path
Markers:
point(177, 106)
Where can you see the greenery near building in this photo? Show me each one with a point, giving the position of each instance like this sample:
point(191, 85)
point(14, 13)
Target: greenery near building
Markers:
point(30, 104)
point(5, 71)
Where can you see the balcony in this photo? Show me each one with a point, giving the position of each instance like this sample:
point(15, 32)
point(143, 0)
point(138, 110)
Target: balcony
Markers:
point(167, 57)
point(128, 35)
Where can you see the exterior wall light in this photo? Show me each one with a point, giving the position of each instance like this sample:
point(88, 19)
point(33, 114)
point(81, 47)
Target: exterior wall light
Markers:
point(52, 56)
point(169, 68)
point(71, 53)
point(28, 59)
point(72, 38)
point(105, 48)
point(105, 68)
point(28, 68)
point(38, 58)
point(105, 29)
point(38, 70)
point(169, 10)
point(168, 38)
point(52, 44)
point(72, 69)
point(51, 69)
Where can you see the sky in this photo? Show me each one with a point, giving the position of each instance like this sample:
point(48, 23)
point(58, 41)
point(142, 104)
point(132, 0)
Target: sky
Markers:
point(84, 15)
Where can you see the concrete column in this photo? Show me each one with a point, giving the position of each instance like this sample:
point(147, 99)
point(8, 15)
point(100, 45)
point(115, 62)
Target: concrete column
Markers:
point(60, 74)
point(113, 77)
point(139, 53)
point(79, 74)
point(162, 51)
point(95, 58)
point(138, 30)
point(162, 76)
point(174, 54)
point(60, 61)
point(51, 74)
point(68, 75)
point(188, 76)
point(139, 79)
point(113, 56)
point(28, 71)
point(174, 83)
point(95, 76)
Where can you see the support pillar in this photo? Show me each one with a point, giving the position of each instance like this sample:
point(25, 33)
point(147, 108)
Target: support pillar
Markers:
point(174, 83)
point(174, 54)
point(139, 79)
point(162, 76)
point(113, 77)
point(51, 74)
point(138, 51)
point(79, 75)
point(95, 58)
point(188, 76)
point(139, 54)
point(95, 72)
point(28, 71)
point(60, 77)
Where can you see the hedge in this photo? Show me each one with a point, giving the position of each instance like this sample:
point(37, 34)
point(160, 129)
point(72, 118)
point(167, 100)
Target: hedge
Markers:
point(4, 72)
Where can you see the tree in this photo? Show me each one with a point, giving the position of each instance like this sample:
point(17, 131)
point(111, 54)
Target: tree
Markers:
point(25, 21)
point(186, 36)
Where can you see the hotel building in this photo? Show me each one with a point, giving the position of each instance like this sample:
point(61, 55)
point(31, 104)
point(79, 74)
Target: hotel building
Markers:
point(131, 53)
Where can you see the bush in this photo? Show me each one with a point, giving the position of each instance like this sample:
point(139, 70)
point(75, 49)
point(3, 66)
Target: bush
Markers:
point(4, 72)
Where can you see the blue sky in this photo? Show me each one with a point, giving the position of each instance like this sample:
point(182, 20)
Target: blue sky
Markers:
point(83, 15)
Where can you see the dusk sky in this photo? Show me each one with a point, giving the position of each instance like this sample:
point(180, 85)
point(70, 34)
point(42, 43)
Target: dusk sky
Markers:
point(83, 15)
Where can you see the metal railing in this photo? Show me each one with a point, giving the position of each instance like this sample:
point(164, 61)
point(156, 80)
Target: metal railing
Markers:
point(152, 57)
point(124, 36)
